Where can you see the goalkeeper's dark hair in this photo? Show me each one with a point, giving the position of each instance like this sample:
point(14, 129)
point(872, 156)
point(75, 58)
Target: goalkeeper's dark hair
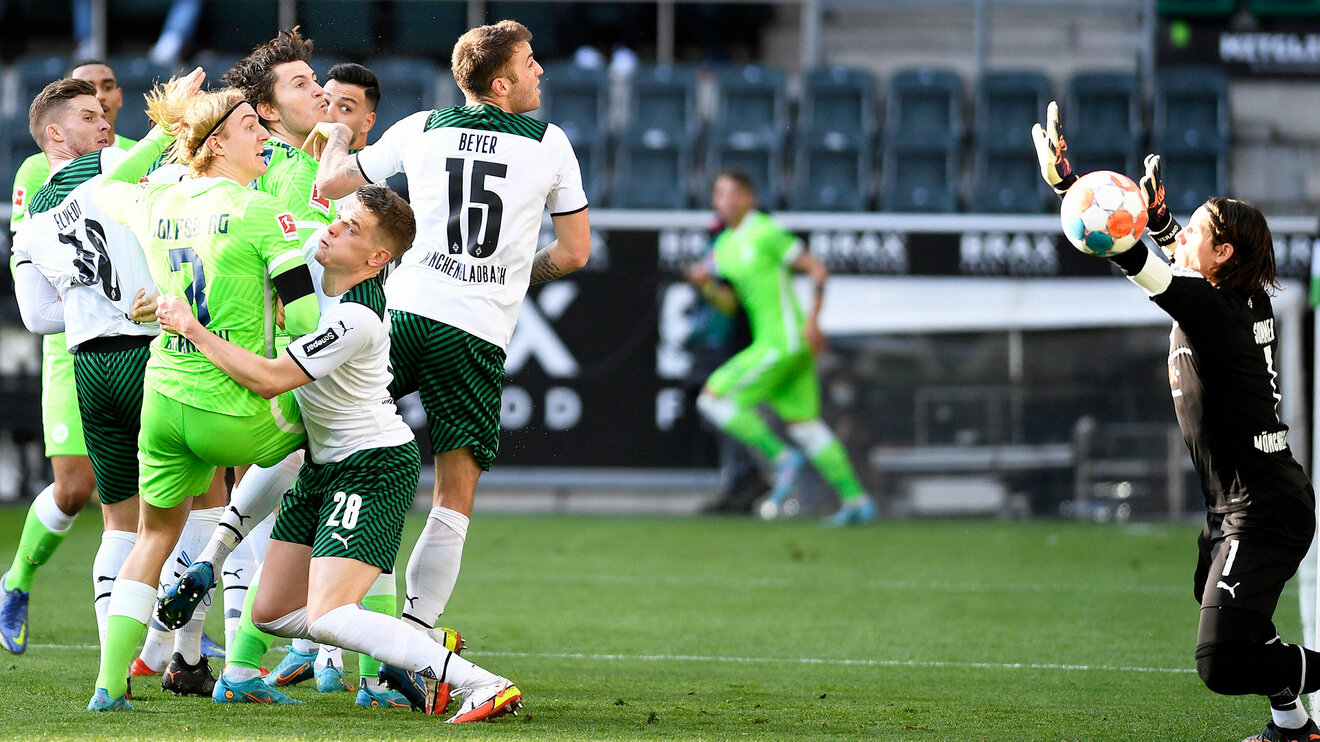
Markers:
point(1242, 225)
point(736, 175)
point(396, 227)
point(255, 73)
point(49, 104)
point(352, 73)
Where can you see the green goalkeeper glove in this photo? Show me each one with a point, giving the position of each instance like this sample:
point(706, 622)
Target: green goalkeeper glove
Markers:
point(1161, 225)
point(1052, 151)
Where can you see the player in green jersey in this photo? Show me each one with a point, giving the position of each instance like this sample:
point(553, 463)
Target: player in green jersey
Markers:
point(221, 246)
point(281, 86)
point(55, 507)
point(754, 258)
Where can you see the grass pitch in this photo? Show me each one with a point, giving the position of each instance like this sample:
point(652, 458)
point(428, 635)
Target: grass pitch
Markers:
point(717, 628)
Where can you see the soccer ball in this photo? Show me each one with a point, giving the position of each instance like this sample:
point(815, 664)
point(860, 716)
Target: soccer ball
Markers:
point(1103, 213)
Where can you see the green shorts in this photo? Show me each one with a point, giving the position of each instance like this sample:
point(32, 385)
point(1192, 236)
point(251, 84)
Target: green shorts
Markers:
point(60, 421)
point(352, 508)
point(109, 376)
point(180, 446)
point(770, 375)
point(460, 377)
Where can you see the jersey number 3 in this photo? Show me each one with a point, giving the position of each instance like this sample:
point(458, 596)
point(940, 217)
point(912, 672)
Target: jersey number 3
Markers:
point(482, 239)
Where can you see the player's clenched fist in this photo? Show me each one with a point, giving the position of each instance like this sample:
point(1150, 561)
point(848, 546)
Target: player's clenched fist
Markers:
point(175, 315)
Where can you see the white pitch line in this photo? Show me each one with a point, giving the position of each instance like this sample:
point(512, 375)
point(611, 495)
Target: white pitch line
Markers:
point(784, 661)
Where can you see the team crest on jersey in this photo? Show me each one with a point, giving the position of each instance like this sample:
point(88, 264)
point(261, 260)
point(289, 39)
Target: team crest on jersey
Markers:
point(319, 202)
point(20, 197)
point(287, 225)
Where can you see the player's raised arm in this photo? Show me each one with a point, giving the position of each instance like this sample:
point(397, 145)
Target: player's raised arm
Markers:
point(1160, 223)
point(268, 377)
point(338, 174)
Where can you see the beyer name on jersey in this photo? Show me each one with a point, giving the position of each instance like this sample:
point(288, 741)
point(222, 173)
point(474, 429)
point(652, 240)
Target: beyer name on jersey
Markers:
point(483, 144)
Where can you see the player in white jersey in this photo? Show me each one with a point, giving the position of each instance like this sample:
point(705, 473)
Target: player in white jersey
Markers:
point(480, 177)
point(340, 525)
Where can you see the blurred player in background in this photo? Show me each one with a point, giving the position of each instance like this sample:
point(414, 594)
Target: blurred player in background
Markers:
point(52, 512)
point(751, 264)
point(480, 177)
point(1226, 396)
point(218, 243)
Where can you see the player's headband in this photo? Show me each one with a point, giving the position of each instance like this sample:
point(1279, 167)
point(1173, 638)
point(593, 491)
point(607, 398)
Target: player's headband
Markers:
point(221, 121)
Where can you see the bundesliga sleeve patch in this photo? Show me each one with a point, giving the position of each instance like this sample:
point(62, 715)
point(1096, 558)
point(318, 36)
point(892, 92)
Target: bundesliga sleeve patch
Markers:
point(319, 202)
point(320, 342)
point(287, 225)
point(20, 197)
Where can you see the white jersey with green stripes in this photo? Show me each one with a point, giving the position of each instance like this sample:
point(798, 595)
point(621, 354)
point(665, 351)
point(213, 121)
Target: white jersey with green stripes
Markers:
point(95, 263)
point(347, 407)
point(480, 180)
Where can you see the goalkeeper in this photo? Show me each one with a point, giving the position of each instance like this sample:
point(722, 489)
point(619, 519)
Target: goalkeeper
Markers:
point(1215, 280)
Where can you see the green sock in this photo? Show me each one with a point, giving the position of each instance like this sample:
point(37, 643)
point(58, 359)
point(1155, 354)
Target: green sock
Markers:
point(750, 429)
point(834, 467)
point(367, 665)
point(250, 643)
point(123, 632)
point(35, 546)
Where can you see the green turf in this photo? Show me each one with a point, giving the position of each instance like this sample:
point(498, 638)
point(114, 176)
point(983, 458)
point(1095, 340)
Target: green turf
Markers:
point(630, 628)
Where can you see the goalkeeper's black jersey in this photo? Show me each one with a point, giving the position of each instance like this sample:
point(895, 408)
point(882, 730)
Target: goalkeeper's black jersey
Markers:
point(1223, 372)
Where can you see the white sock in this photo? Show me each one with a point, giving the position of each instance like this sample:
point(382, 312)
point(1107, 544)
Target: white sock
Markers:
point(132, 600)
point(238, 570)
point(290, 626)
point(384, 637)
point(157, 648)
point(433, 567)
point(1289, 718)
point(305, 646)
point(254, 498)
point(328, 656)
point(196, 532)
point(115, 546)
point(49, 513)
point(236, 674)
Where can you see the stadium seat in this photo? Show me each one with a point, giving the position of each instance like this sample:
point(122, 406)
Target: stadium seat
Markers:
point(663, 98)
point(236, 27)
point(924, 108)
point(1005, 175)
point(1285, 8)
point(1103, 122)
point(35, 73)
point(651, 171)
point(427, 27)
point(577, 100)
point(752, 99)
point(830, 174)
point(838, 100)
point(136, 76)
point(922, 143)
point(407, 85)
point(920, 179)
point(350, 29)
point(1191, 108)
point(1190, 132)
point(760, 158)
point(1175, 8)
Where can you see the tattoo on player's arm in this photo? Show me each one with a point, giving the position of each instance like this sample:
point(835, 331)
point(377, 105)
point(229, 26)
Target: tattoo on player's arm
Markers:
point(543, 268)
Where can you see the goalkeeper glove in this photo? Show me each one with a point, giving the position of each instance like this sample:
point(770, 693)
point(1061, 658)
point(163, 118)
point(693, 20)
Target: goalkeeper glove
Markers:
point(1052, 151)
point(1160, 223)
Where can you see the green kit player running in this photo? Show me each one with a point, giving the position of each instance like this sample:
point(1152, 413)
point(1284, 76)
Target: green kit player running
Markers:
point(54, 509)
point(755, 257)
point(220, 246)
point(341, 524)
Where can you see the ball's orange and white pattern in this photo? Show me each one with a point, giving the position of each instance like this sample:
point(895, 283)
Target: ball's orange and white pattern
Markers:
point(1103, 213)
